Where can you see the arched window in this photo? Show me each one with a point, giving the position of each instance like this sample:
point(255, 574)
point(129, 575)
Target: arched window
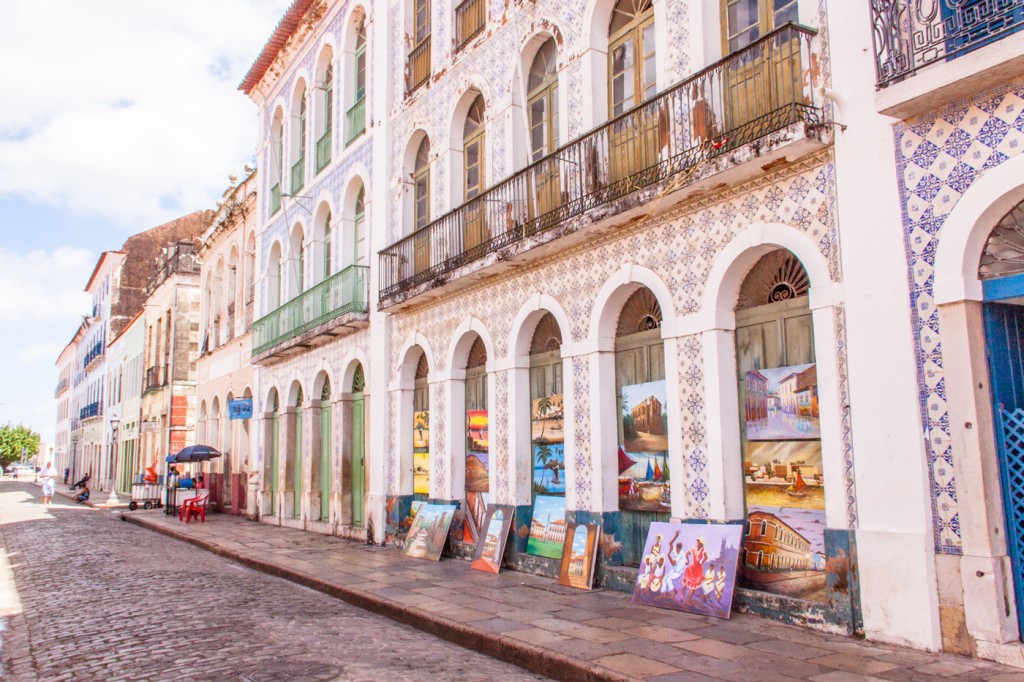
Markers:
point(327, 244)
point(276, 160)
point(631, 54)
point(542, 101)
point(275, 284)
point(473, 149)
point(357, 113)
point(418, 62)
point(421, 186)
point(360, 255)
point(748, 20)
point(298, 179)
point(325, 90)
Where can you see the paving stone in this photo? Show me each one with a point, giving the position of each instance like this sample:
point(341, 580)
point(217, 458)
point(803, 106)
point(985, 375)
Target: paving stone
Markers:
point(636, 666)
point(853, 664)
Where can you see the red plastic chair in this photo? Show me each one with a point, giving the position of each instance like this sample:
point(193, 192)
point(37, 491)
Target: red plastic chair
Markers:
point(194, 508)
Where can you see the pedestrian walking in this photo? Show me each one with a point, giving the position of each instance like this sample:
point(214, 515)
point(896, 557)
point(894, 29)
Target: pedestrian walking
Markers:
point(49, 475)
point(15, 473)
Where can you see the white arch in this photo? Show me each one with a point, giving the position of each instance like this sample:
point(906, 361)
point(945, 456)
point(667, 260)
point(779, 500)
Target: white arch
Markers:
point(525, 323)
point(268, 394)
point(734, 261)
point(405, 372)
point(968, 226)
point(614, 293)
point(462, 341)
point(348, 370)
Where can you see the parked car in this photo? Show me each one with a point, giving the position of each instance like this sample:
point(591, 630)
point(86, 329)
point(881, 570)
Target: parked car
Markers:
point(22, 469)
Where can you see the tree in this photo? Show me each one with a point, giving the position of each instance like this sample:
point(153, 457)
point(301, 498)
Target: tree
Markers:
point(13, 439)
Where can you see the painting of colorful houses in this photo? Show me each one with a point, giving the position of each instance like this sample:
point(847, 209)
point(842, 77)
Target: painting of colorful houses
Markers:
point(781, 403)
point(547, 530)
point(491, 546)
point(579, 555)
point(429, 531)
point(644, 476)
point(784, 552)
point(689, 567)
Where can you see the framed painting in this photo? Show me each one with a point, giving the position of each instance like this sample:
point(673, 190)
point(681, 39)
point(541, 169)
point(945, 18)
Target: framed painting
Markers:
point(429, 531)
point(491, 547)
point(579, 555)
point(547, 529)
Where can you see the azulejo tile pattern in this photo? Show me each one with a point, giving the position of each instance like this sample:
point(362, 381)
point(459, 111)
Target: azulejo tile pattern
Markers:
point(498, 428)
point(939, 157)
point(680, 246)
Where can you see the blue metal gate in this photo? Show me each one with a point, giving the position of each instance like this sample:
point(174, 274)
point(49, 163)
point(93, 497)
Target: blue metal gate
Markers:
point(1004, 332)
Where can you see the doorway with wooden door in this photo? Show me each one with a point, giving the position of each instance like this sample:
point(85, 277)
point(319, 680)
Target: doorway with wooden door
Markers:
point(474, 217)
point(357, 449)
point(542, 110)
point(634, 140)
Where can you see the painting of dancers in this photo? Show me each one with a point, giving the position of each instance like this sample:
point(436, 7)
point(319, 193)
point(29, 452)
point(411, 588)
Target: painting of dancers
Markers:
point(689, 567)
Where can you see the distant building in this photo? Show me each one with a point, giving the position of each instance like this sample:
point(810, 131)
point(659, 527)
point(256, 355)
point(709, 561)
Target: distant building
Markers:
point(807, 392)
point(647, 416)
point(772, 545)
point(756, 385)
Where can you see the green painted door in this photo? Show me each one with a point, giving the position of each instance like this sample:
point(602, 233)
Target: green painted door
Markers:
point(297, 465)
point(325, 462)
point(273, 465)
point(358, 449)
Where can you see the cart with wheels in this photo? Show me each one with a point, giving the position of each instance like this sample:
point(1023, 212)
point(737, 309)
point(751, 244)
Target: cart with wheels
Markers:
point(145, 495)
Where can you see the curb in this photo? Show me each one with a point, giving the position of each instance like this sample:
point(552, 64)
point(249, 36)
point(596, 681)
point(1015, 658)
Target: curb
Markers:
point(527, 656)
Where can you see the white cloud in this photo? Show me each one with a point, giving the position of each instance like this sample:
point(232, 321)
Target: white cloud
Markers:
point(40, 285)
point(124, 109)
point(40, 351)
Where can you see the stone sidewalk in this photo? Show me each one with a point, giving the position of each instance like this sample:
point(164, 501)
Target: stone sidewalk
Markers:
point(557, 631)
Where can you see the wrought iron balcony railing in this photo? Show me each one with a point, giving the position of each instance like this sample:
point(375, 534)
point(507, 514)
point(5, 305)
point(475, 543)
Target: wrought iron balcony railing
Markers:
point(323, 150)
point(417, 66)
point(94, 353)
point(356, 118)
point(761, 89)
point(156, 377)
point(470, 17)
point(341, 293)
point(298, 175)
point(62, 386)
point(178, 259)
point(912, 34)
point(275, 198)
point(94, 409)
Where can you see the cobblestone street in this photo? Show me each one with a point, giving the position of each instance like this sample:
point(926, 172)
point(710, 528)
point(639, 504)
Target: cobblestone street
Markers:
point(106, 600)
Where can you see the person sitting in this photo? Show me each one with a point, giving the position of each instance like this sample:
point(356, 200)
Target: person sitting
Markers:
point(82, 496)
point(200, 483)
point(82, 483)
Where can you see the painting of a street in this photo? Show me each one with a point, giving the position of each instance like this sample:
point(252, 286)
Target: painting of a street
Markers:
point(689, 567)
point(644, 476)
point(782, 403)
point(429, 531)
point(785, 552)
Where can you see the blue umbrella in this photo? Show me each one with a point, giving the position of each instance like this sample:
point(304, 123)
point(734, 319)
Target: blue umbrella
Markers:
point(195, 453)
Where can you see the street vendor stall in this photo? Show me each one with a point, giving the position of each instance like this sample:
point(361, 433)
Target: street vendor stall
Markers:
point(179, 487)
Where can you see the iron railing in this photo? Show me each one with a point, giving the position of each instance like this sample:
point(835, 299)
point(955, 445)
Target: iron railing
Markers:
point(275, 198)
point(761, 89)
point(323, 150)
point(912, 34)
point(94, 409)
point(470, 17)
point(356, 118)
point(180, 258)
point(62, 386)
point(341, 293)
point(95, 352)
point(156, 377)
point(298, 175)
point(417, 66)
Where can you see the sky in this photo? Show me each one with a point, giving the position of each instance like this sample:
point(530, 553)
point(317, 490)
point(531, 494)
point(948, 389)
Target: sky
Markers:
point(116, 116)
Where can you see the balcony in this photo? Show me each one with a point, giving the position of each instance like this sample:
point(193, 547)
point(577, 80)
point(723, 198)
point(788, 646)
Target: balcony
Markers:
point(299, 175)
point(356, 119)
point(275, 198)
point(93, 354)
point(62, 386)
point(470, 17)
point(156, 378)
point(91, 411)
point(417, 66)
point(323, 151)
point(178, 259)
point(695, 135)
point(334, 307)
point(913, 37)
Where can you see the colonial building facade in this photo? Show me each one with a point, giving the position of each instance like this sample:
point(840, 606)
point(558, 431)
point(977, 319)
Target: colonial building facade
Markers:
point(654, 256)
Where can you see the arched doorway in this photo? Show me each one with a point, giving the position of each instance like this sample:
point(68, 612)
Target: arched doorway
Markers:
point(293, 460)
point(642, 410)
point(780, 432)
point(1001, 271)
point(272, 470)
point(477, 484)
point(421, 431)
point(356, 450)
point(321, 471)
